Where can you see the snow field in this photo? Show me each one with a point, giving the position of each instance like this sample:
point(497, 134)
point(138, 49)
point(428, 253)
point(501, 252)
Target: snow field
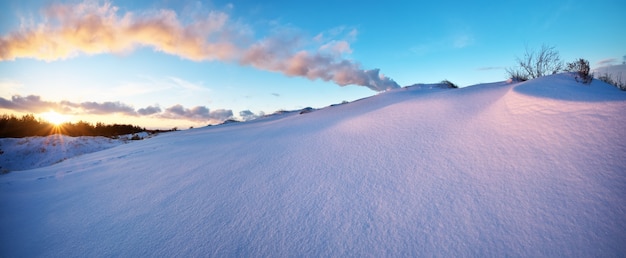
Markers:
point(527, 169)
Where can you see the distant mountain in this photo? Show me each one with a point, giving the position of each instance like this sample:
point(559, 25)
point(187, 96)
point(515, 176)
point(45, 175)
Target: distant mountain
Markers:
point(530, 169)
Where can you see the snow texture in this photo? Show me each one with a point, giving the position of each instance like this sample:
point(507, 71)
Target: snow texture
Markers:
point(533, 169)
point(34, 152)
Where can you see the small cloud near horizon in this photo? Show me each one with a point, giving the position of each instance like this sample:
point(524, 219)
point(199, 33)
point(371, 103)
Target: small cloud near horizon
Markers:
point(149, 110)
point(248, 115)
point(197, 113)
point(606, 61)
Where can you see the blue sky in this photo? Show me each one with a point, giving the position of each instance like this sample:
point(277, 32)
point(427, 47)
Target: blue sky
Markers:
point(260, 52)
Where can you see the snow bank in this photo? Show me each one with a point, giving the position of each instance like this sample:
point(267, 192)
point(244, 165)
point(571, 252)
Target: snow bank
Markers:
point(617, 72)
point(34, 152)
point(530, 169)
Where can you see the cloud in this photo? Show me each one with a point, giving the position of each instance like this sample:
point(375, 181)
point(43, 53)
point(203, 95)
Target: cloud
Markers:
point(149, 110)
point(35, 104)
point(248, 115)
point(90, 28)
point(180, 83)
point(221, 114)
point(29, 103)
point(107, 108)
point(488, 68)
point(337, 47)
point(93, 29)
point(463, 40)
point(318, 66)
point(198, 113)
point(459, 39)
point(9, 86)
point(607, 61)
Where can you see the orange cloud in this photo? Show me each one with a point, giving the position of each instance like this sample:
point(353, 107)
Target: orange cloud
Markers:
point(93, 29)
point(89, 28)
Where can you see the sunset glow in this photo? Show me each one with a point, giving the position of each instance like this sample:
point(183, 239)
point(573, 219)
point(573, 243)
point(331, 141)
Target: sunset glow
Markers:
point(164, 64)
point(54, 117)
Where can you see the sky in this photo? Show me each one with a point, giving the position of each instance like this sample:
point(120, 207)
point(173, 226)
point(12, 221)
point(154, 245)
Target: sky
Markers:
point(164, 64)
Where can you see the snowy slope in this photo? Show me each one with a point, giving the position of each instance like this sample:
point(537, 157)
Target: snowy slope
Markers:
point(34, 152)
point(531, 169)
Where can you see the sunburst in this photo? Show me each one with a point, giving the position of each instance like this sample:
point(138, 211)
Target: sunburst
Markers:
point(55, 118)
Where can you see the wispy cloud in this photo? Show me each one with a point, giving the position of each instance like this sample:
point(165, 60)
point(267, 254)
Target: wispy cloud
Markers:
point(488, 68)
point(462, 40)
point(453, 34)
point(458, 40)
point(90, 28)
point(186, 85)
point(149, 84)
point(9, 86)
point(35, 104)
point(606, 61)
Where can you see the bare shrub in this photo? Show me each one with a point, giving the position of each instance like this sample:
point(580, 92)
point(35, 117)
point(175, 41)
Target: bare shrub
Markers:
point(615, 82)
point(582, 69)
point(536, 63)
point(517, 75)
point(449, 84)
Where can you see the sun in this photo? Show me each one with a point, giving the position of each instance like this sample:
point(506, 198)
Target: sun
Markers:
point(54, 117)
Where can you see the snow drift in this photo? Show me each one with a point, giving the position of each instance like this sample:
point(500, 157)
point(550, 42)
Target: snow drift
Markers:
point(34, 152)
point(526, 169)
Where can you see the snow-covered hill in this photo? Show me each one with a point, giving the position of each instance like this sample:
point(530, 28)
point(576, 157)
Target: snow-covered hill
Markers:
point(34, 152)
point(530, 169)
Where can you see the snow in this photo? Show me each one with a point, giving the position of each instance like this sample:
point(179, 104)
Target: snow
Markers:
point(34, 152)
point(615, 71)
point(529, 169)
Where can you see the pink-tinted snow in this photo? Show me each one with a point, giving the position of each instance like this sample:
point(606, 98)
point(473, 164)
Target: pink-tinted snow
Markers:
point(531, 169)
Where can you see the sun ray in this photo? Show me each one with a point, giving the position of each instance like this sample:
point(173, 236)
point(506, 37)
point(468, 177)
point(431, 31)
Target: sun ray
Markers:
point(55, 118)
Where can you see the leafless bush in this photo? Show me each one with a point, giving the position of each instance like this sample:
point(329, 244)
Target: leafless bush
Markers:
point(517, 75)
point(535, 64)
point(449, 84)
point(581, 68)
point(615, 82)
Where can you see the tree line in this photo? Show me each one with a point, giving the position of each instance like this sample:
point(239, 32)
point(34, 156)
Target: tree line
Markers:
point(27, 125)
